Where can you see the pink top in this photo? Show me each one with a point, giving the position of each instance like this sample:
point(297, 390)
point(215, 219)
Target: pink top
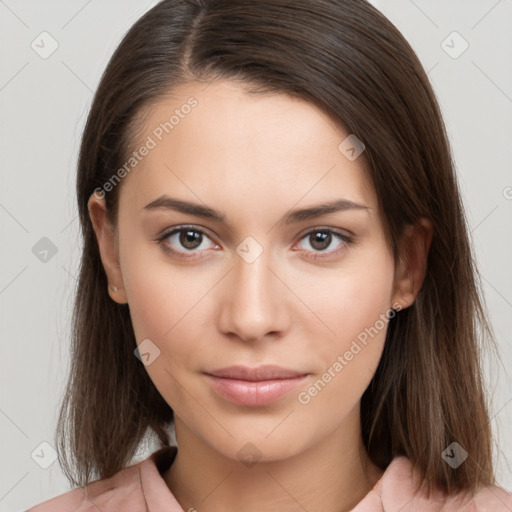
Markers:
point(141, 488)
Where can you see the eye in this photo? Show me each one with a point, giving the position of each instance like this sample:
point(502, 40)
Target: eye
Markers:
point(188, 241)
point(185, 239)
point(321, 239)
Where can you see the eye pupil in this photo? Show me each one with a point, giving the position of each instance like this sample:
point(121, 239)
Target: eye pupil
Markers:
point(190, 238)
point(322, 237)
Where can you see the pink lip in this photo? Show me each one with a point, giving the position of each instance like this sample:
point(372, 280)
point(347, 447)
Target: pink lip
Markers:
point(254, 387)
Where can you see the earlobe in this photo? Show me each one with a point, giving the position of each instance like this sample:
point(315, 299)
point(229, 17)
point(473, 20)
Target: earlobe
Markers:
point(411, 268)
point(106, 239)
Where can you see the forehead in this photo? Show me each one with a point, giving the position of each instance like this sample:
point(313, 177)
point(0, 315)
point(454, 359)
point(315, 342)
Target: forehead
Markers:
point(218, 141)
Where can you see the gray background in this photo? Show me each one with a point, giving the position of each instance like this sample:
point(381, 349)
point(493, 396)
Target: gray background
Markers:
point(44, 102)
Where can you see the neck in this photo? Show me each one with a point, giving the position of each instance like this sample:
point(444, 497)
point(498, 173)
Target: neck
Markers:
point(333, 475)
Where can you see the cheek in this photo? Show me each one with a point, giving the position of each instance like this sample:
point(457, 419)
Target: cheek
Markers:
point(356, 308)
point(161, 295)
point(350, 301)
point(165, 308)
point(349, 360)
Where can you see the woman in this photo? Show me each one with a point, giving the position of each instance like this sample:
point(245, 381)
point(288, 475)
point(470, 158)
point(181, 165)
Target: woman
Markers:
point(276, 265)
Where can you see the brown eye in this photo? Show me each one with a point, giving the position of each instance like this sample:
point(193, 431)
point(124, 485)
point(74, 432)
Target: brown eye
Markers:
point(186, 241)
point(324, 242)
point(190, 239)
point(320, 240)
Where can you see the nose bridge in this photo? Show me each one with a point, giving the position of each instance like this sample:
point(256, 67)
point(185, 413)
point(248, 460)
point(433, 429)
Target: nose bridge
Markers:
point(252, 280)
point(253, 304)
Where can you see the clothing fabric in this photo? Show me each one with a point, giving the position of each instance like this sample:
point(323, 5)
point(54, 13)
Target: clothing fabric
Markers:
point(141, 488)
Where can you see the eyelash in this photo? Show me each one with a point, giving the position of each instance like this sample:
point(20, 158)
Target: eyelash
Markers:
point(347, 240)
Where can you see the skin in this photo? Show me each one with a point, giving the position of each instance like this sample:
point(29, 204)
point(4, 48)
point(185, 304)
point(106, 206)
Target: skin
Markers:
point(254, 158)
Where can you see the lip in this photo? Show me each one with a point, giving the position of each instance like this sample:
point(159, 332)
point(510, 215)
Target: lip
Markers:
point(259, 373)
point(254, 387)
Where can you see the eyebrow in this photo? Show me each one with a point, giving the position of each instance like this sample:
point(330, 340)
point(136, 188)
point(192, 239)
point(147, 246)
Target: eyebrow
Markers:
point(168, 203)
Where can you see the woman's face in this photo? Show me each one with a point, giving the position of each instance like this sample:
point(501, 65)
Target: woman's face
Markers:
point(257, 276)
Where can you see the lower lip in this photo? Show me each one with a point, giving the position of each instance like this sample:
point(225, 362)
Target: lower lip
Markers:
point(254, 393)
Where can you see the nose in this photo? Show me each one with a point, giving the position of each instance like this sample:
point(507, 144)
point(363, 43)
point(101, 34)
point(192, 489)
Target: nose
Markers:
point(253, 302)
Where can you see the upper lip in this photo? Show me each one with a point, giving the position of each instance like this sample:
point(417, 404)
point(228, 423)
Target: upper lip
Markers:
point(259, 373)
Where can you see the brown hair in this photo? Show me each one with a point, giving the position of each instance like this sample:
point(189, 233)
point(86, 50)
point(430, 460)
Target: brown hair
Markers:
point(349, 60)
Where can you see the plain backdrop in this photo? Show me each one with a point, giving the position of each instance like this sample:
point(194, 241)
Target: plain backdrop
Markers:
point(44, 104)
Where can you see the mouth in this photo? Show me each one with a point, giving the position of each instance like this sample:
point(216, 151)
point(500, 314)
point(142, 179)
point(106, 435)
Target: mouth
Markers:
point(254, 387)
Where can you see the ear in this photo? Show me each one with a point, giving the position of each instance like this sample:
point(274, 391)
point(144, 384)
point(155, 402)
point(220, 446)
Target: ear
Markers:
point(411, 267)
point(107, 244)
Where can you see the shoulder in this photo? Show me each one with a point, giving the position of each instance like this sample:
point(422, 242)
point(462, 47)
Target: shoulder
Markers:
point(396, 492)
point(135, 488)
